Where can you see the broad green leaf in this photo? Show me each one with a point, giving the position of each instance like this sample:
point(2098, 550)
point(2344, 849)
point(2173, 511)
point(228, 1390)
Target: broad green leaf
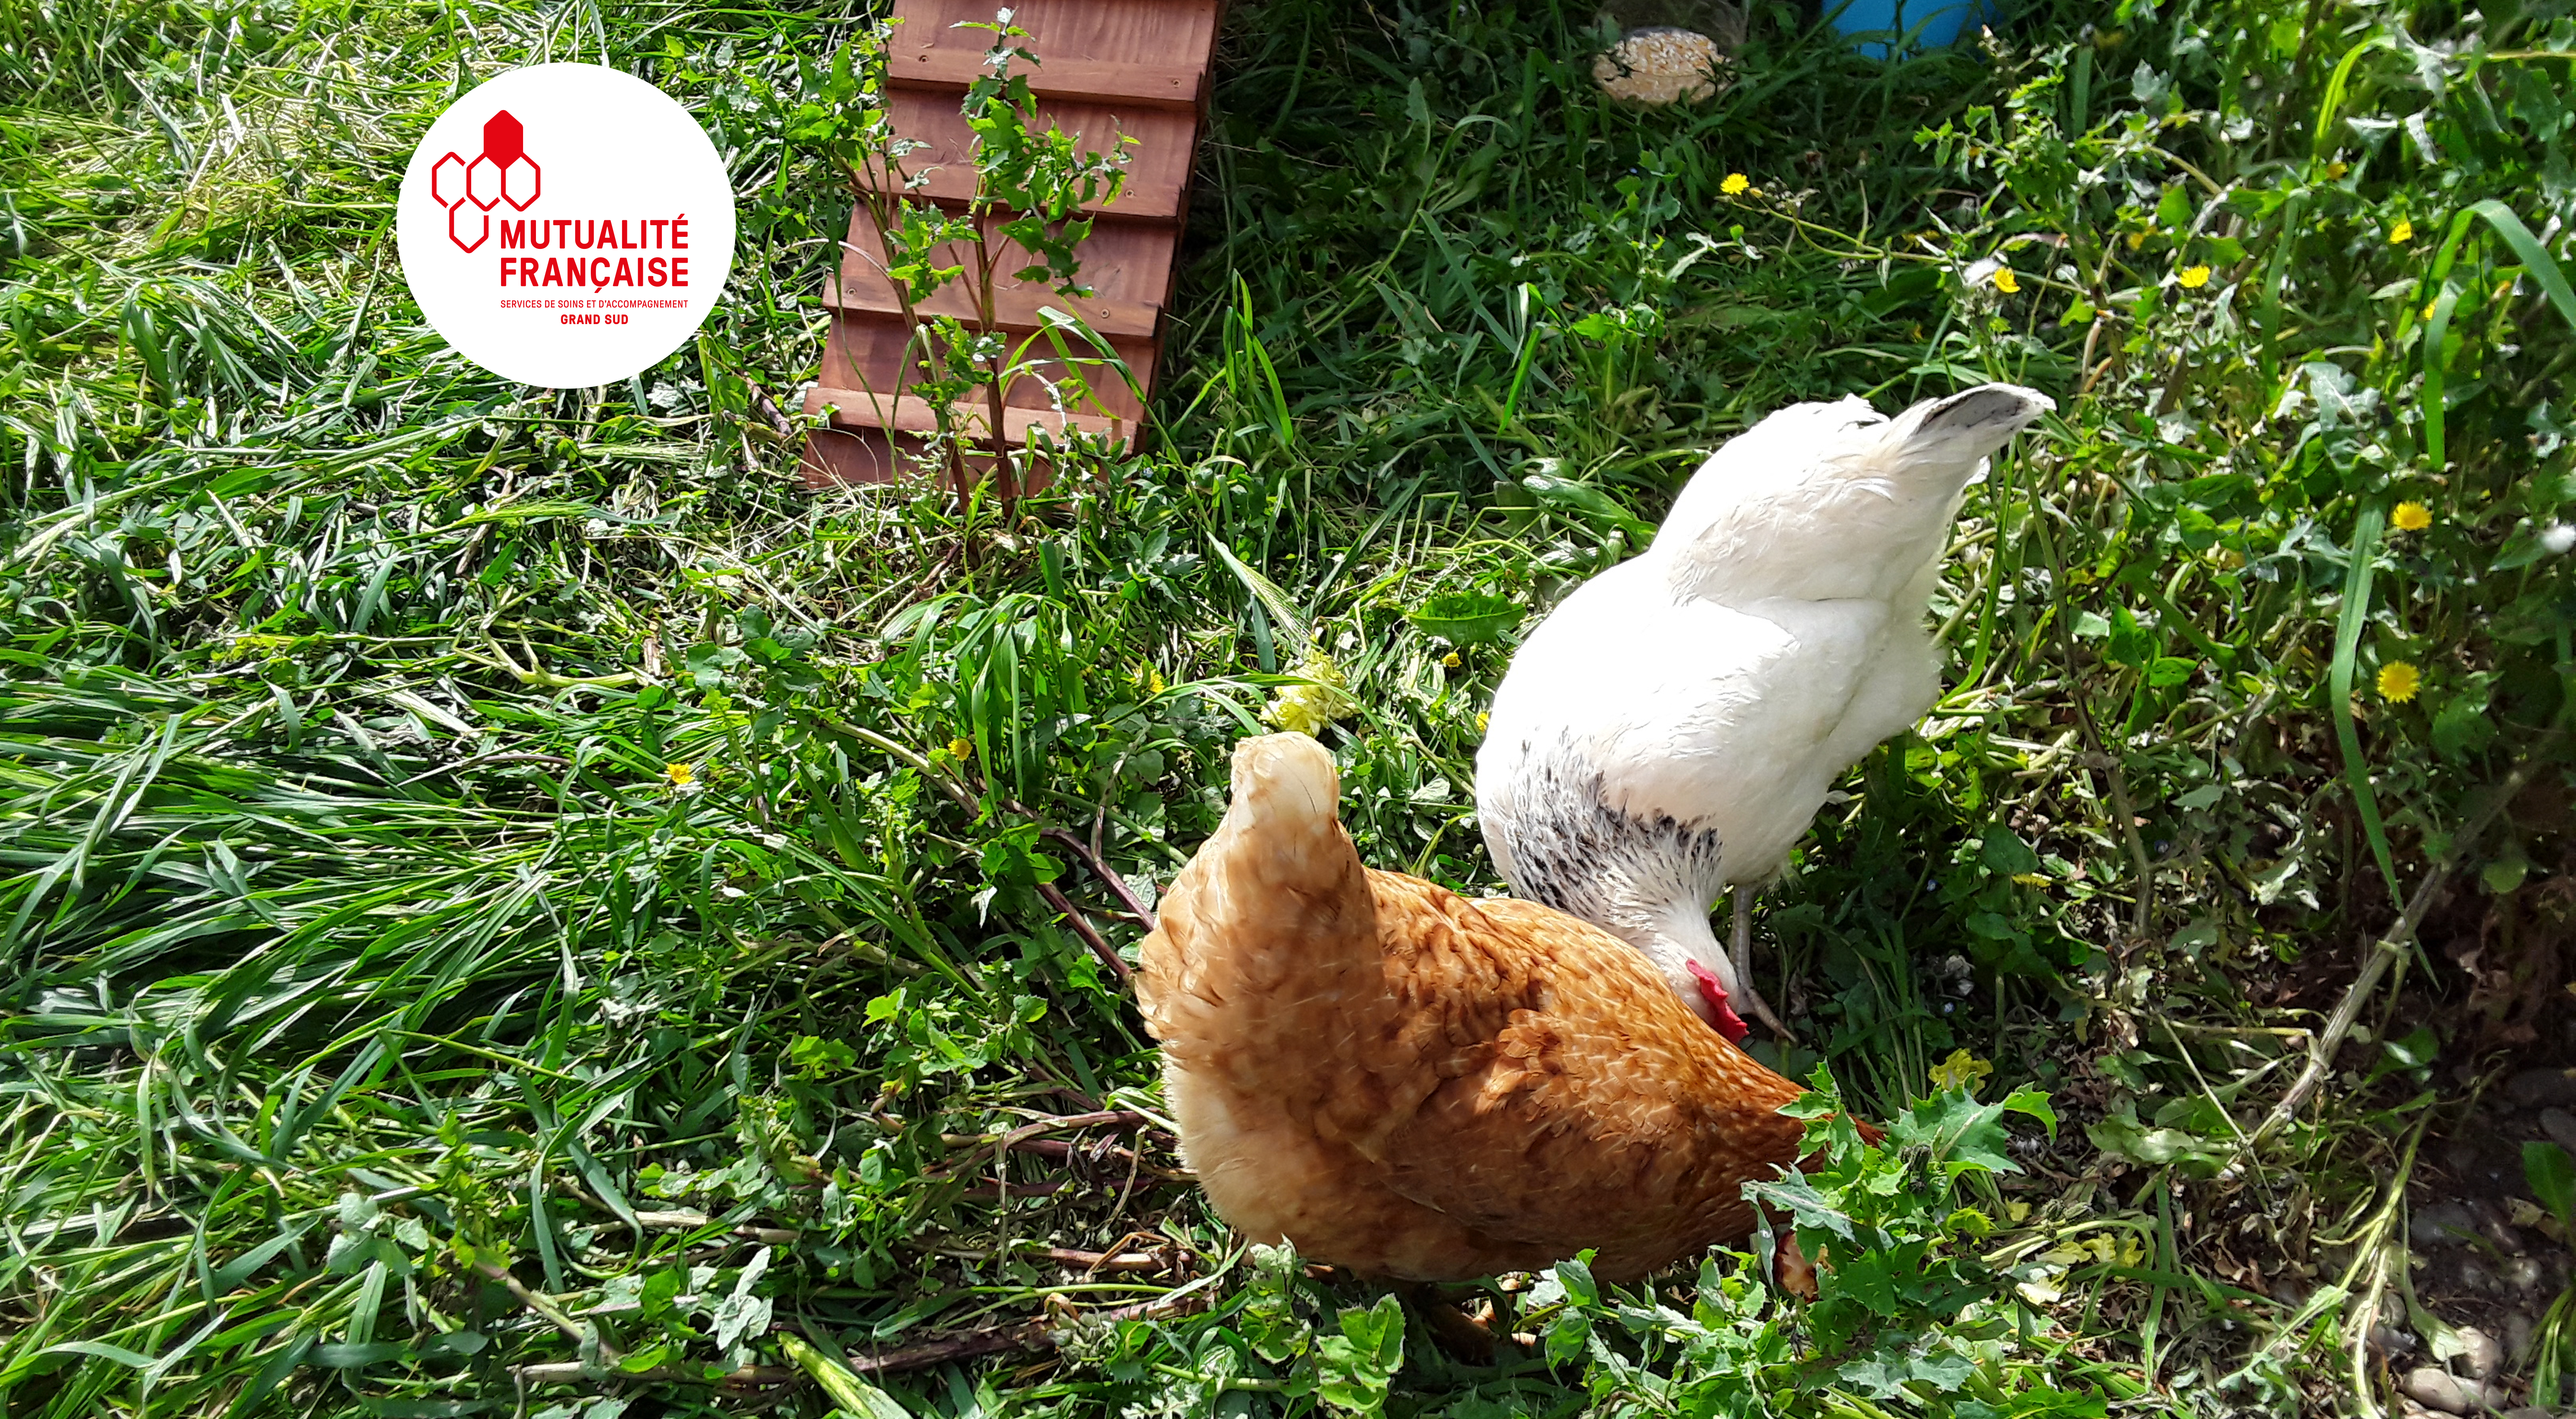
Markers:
point(1962, 1134)
point(1356, 1367)
point(1804, 1204)
point(2003, 850)
point(2552, 1175)
point(1467, 617)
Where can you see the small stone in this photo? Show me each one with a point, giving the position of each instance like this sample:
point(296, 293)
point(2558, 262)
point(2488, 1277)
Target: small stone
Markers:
point(2480, 1353)
point(2528, 1411)
point(2439, 1389)
point(2517, 1335)
point(2543, 1088)
point(2523, 1273)
point(2442, 1222)
point(1661, 66)
point(2466, 1156)
point(2475, 1277)
point(2560, 1125)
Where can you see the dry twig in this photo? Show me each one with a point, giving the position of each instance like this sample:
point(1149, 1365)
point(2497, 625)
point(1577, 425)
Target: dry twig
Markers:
point(1040, 1334)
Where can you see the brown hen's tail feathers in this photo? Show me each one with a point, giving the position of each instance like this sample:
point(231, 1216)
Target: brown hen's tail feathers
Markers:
point(1275, 899)
point(1287, 793)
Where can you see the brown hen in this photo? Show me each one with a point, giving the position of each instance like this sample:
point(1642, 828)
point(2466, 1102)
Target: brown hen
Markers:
point(1417, 1086)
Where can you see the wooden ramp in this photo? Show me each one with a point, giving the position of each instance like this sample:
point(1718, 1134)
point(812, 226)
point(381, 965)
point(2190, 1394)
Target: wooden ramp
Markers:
point(1106, 68)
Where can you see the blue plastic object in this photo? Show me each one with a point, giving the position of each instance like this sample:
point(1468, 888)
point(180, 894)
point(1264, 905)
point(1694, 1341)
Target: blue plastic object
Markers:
point(1928, 24)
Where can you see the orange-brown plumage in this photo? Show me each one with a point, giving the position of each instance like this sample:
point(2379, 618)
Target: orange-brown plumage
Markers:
point(1414, 1085)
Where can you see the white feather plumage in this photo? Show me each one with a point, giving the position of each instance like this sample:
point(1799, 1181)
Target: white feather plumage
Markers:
point(1671, 729)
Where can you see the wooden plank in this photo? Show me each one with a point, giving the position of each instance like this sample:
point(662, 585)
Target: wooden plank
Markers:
point(1158, 166)
point(1115, 31)
point(1094, 81)
point(838, 457)
point(1126, 264)
point(1015, 307)
point(907, 414)
point(865, 351)
point(1107, 69)
point(1122, 259)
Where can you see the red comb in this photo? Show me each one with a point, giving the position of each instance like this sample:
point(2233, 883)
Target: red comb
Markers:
point(1727, 1021)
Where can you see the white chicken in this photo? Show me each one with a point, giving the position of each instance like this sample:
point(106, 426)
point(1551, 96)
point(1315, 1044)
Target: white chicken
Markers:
point(1670, 730)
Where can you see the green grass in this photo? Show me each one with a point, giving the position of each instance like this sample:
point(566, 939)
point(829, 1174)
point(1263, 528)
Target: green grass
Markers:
point(361, 951)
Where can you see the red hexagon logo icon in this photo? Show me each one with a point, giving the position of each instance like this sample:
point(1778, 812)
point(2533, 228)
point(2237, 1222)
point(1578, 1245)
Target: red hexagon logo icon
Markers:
point(483, 183)
point(521, 182)
point(502, 172)
point(505, 140)
point(447, 181)
point(463, 219)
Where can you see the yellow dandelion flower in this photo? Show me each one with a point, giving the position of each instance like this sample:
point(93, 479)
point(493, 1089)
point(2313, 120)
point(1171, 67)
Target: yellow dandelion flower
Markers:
point(2335, 171)
point(2428, 308)
point(2136, 240)
point(681, 775)
point(1451, 660)
point(1736, 185)
point(2193, 277)
point(2006, 281)
point(1482, 719)
point(2398, 682)
point(1961, 1070)
point(2411, 517)
point(2401, 233)
point(961, 748)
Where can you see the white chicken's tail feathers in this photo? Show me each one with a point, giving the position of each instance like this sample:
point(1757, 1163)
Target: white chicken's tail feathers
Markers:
point(1957, 430)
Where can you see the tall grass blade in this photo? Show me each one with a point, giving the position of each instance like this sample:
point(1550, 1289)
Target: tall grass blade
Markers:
point(2349, 622)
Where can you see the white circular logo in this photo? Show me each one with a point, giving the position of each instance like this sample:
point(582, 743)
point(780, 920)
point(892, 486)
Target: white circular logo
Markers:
point(566, 225)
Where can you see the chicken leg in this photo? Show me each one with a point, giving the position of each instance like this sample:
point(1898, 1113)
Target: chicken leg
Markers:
point(1466, 1339)
point(1742, 911)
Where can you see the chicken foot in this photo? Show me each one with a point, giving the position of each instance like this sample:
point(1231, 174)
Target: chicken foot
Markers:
point(1742, 913)
point(1791, 1271)
point(1450, 1329)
